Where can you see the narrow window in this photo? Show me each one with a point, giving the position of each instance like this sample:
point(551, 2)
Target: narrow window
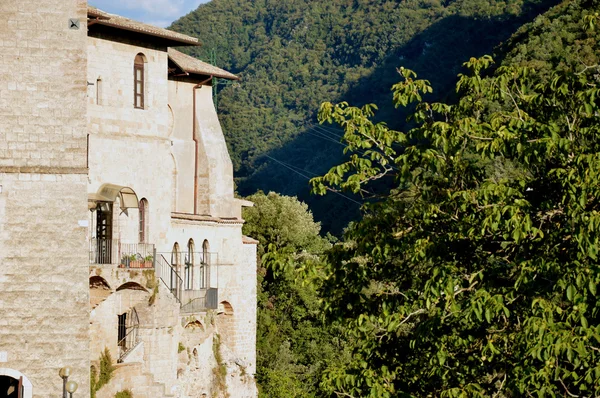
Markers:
point(98, 91)
point(138, 81)
point(189, 266)
point(204, 268)
point(175, 280)
point(143, 208)
point(122, 333)
point(205, 255)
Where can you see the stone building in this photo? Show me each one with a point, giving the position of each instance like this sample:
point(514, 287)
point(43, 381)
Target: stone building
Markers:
point(101, 110)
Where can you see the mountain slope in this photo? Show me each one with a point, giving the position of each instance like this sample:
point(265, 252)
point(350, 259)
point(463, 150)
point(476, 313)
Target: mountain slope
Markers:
point(294, 54)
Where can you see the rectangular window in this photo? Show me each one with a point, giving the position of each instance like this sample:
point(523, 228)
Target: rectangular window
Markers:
point(138, 86)
point(98, 91)
point(122, 333)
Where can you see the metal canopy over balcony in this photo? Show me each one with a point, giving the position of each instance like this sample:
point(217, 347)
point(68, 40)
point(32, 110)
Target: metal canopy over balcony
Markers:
point(110, 192)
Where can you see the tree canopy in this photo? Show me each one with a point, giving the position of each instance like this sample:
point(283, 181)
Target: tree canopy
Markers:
point(477, 273)
point(294, 345)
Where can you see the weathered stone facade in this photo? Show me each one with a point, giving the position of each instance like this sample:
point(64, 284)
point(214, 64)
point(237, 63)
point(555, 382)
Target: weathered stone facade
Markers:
point(43, 178)
point(133, 212)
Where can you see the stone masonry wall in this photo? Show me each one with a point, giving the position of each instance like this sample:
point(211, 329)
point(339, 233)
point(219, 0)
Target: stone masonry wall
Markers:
point(43, 178)
point(129, 146)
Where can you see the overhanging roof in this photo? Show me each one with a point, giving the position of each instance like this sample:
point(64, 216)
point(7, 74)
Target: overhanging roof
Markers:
point(193, 65)
point(116, 21)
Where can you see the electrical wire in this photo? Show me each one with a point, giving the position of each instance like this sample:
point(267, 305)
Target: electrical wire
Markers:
point(291, 167)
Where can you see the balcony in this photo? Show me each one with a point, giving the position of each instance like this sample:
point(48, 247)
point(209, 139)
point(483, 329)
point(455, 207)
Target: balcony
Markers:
point(193, 283)
point(123, 255)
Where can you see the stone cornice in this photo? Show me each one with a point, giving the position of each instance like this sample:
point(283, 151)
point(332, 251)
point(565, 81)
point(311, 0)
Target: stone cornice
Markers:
point(205, 218)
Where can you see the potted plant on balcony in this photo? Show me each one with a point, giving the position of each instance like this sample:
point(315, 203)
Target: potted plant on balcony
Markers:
point(129, 261)
point(148, 261)
point(136, 261)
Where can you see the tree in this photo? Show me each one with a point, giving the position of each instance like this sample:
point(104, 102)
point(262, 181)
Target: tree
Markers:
point(284, 222)
point(293, 343)
point(476, 274)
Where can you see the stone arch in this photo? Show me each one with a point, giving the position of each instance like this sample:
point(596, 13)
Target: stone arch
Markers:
point(16, 375)
point(194, 325)
point(99, 290)
point(98, 282)
point(225, 308)
point(131, 286)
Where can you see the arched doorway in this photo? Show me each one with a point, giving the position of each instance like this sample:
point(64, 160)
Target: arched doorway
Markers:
point(14, 384)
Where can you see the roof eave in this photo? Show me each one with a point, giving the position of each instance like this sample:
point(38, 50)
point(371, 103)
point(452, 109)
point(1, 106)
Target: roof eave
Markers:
point(183, 41)
point(217, 75)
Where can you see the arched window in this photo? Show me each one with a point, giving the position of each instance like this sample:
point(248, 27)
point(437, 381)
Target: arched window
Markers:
point(205, 250)
point(204, 268)
point(175, 284)
point(175, 256)
point(143, 208)
point(139, 81)
point(189, 266)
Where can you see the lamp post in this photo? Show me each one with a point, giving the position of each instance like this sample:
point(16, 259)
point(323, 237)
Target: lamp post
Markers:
point(64, 373)
point(71, 388)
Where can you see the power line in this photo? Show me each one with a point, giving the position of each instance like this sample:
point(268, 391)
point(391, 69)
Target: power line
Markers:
point(295, 167)
point(290, 167)
point(354, 150)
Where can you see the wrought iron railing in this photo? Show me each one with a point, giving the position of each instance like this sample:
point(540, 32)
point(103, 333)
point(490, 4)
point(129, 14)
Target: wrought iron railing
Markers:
point(131, 339)
point(136, 255)
point(104, 251)
point(125, 255)
point(193, 281)
point(169, 276)
point(193, 301)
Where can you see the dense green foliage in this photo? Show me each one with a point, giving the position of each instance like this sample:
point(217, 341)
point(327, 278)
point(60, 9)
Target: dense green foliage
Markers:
point(293, 54)
point(283, 222)
point(477, 274)
point(293, 344)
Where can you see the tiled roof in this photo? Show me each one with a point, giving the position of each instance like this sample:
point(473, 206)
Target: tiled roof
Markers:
point(193, 65)
point(117, 21)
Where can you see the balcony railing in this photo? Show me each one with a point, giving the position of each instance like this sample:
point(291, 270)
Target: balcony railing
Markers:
point(169, 276)
point(193, 301)
point(125, 255)
point(192, 278)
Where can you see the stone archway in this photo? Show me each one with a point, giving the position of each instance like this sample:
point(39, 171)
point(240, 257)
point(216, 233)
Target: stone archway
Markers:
point(10, 380)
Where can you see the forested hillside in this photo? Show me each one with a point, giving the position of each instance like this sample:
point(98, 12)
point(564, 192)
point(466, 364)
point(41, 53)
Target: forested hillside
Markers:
point(294, 54)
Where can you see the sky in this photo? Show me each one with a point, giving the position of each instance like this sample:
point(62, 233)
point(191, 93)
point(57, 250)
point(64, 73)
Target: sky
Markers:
point(154, 12)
